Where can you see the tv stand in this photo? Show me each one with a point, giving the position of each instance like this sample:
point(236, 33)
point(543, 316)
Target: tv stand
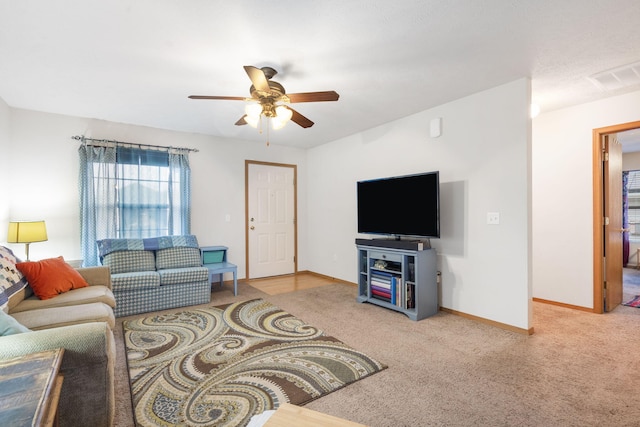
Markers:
point(415, 245)
point(403, 280)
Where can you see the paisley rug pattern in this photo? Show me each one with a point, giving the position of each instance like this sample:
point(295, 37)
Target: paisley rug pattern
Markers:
point(222, 365)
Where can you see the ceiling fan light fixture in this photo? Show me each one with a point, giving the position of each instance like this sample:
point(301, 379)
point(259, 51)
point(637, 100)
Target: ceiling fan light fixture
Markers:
point(283, 113)
point(253, 110)
point(277, 123)
point(252, 120)
point(282, 116)
point(269, 99)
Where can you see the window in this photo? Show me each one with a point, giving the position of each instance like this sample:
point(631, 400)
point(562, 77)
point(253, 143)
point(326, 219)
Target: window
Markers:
point(132, 193)
point(142, 193)
point(633, 200)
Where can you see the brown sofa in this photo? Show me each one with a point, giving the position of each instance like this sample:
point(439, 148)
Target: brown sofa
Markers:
point(81, 321)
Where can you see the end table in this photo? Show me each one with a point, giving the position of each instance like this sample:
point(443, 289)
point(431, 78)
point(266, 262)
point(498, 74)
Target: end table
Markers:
point(215, 259)
point(30, 389)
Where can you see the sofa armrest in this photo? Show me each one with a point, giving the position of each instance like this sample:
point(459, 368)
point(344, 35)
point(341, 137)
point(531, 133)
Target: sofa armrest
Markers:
point(96, 275)
point(87, 396)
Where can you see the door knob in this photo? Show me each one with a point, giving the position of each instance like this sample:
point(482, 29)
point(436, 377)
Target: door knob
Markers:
point(252, 227)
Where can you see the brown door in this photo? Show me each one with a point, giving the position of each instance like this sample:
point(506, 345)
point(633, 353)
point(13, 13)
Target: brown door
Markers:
point(613, 231)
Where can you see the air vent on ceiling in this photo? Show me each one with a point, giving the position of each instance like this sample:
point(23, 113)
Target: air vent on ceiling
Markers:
point(618, 78)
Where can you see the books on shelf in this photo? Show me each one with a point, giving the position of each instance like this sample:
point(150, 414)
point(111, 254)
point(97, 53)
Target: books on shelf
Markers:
point(390, 289)
point(385, 286)
point(385, 296)
point(385, 283)
point(380, 283)
point(410, 303)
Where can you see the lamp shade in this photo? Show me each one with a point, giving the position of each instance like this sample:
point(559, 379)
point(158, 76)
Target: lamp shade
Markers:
point(283, 115)
point(253, 110)
point(26, 232)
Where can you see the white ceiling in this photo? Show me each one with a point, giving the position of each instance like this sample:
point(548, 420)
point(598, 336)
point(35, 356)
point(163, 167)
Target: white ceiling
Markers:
point(136, 61)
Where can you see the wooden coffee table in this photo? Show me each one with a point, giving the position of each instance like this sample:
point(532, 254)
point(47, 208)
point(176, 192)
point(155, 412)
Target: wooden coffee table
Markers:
point(30, 389)
point(288, 415)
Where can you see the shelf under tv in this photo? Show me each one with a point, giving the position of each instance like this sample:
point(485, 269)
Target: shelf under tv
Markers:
point(412, 245)
point(399, 279)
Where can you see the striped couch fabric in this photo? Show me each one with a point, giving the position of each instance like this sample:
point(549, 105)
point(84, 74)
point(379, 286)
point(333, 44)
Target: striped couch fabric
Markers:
point(172, 276)
point(155, 274)
point(178, 258)
point(130, 261)
point(135, 281)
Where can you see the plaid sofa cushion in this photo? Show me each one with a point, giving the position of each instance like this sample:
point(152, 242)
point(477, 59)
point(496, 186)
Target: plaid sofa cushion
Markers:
point(130, 261)
point(122, 282)
point(178, 258)
point(162, 298)
point(174, 276)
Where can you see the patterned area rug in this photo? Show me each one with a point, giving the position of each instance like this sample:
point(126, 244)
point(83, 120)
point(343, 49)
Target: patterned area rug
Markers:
point(635, 302)
point(219, 366)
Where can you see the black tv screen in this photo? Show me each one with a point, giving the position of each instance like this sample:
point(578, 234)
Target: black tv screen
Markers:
point(400, 206)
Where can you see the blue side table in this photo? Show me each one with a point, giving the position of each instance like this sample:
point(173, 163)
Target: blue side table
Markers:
point(215, 259)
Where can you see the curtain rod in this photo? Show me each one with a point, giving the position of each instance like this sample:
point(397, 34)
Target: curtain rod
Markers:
point(84, 139)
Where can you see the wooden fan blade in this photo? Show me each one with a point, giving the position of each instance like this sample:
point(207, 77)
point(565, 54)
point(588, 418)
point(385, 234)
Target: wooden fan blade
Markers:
point(300, 119)
point(227, 98)
point(329, 95)
point(241, 121)
point(258, 78)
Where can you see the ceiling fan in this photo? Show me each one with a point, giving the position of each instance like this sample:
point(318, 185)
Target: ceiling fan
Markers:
point(269, 99)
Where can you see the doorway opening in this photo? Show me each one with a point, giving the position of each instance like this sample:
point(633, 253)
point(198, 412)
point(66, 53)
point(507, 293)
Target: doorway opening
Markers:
point(631, 216)
point(607, 261)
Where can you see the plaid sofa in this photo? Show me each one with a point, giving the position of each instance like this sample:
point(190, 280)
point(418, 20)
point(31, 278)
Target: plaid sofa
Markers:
point(156, 273)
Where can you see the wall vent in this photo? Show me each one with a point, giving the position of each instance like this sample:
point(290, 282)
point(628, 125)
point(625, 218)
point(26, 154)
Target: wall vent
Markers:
point(618, 78)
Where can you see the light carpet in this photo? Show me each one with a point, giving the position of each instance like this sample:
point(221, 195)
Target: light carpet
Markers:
point(219, 366)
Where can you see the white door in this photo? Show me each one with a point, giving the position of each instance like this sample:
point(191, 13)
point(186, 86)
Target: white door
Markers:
point(271, 228)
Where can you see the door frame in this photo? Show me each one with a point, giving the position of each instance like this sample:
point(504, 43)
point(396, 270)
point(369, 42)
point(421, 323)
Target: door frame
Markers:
point(247, 163)
point(598, 211)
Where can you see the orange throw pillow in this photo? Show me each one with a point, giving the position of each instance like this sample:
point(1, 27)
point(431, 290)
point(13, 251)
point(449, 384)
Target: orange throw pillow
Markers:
point(51, 277)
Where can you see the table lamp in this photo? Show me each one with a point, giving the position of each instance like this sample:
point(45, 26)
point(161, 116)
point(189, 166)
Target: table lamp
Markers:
point(27, 232)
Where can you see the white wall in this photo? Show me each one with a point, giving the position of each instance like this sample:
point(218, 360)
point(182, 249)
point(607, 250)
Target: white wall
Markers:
point(483, 159)
point(563, 196)
point(44, 164)
point(631, 161)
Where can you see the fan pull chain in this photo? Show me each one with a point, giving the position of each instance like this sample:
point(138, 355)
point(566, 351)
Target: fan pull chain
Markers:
point(260, 128)
point(268, 137)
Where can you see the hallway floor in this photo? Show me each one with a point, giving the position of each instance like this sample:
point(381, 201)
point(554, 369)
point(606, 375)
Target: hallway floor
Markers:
point(630, 284)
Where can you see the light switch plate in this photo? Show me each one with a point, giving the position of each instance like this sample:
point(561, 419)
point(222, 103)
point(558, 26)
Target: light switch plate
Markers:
point(493, 218)
point(435, 127)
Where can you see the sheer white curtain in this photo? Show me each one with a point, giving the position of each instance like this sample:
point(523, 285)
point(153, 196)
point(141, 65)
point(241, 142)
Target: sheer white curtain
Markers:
point(132, 193)
point(98, 198)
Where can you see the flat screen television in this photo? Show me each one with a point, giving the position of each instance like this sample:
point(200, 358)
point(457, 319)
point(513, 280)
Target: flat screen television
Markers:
point(400, 206)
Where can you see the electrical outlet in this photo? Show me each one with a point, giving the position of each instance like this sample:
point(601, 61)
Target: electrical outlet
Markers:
point(493, 218)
